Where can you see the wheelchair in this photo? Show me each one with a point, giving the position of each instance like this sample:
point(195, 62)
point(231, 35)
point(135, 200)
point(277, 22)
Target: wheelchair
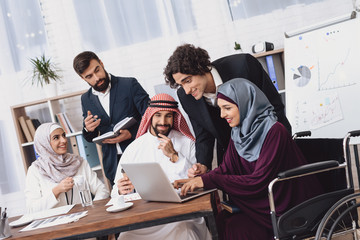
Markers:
point(333, 214)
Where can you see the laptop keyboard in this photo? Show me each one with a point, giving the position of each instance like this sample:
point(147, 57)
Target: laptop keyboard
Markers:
point(189, 194)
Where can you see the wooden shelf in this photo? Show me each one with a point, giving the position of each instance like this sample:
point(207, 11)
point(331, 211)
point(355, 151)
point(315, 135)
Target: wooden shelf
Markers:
point(44, 108)
point(278, 64)
point(67, 135)
point(46, 100)
point(272, 52)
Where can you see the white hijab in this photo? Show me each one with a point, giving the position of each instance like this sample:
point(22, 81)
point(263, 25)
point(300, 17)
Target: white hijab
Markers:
point(51, 165)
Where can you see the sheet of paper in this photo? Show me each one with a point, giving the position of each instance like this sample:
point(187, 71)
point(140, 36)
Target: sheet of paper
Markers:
point(52, 212)
point(127, 198)
point(53, 221)
point(29, 217)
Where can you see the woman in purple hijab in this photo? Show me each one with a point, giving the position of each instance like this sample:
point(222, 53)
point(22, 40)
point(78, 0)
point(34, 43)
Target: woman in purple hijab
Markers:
point(259, 149)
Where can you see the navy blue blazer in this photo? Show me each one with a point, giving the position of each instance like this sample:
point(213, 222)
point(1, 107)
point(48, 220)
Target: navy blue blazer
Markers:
point(206, 120)
point(127, 99)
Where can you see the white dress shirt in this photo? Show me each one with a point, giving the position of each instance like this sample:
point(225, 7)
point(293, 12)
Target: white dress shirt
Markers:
point(210, 98)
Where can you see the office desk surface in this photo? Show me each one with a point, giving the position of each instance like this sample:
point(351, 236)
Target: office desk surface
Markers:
point(142, 214)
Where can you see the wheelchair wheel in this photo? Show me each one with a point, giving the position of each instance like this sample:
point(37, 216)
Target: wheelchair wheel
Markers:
point(340, 219)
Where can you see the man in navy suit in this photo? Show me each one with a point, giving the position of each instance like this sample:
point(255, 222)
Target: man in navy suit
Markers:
point(190, 68)
point(109, 100)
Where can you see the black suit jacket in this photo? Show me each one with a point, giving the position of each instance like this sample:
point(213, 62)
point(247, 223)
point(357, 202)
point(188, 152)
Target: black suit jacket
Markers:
point(127, 99)
point(206, 120)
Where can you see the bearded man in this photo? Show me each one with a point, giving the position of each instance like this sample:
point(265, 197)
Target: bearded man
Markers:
point(163, 137)
point(109, 100)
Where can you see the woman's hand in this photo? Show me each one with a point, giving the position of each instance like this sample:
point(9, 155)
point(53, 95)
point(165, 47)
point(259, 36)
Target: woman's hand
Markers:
point(64, 186)
point(190, 185)
point(124, 185)
point(180, 182)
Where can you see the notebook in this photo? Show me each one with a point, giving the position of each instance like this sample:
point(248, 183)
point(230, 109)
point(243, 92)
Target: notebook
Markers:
point(151, 182)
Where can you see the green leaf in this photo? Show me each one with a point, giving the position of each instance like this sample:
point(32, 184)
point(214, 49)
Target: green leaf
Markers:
point(237, 46)
point(44, 71)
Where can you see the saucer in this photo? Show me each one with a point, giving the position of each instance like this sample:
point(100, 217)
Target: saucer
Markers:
point(21, 221)
point(118, 209)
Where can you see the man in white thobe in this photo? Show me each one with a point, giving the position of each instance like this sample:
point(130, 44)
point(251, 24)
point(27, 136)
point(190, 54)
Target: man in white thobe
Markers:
point(163, 137)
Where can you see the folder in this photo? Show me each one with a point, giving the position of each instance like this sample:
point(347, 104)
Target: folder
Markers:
point(61, 120)
point(36, 122)
point(74, 146)
point(35, 153)
point(68, 123)
point(25, 129)
point(271, 70)
point(87, 150)
point(31, 127)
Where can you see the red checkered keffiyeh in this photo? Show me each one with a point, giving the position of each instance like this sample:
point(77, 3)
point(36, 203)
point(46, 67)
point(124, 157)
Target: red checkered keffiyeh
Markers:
point(179, 120)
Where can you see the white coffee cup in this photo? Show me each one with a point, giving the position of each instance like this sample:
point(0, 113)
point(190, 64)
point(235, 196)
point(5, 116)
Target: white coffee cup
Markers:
point(119, 201)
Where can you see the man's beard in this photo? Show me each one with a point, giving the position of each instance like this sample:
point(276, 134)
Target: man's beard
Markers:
point(104, 85)
point(157, 132)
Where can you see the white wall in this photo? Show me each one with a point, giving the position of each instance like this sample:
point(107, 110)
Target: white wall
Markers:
point(146, 61)
point(215, 32)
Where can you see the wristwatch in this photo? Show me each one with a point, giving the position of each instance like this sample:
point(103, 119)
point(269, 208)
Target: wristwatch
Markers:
point(174, 157)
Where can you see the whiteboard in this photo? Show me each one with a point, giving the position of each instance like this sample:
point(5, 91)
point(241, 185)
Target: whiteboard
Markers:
point(322, 79)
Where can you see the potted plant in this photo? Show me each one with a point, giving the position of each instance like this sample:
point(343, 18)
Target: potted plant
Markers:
point(44, 73)
point(237, 46)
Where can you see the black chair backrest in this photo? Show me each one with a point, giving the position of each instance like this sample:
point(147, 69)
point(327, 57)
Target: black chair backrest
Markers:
point(322, 149)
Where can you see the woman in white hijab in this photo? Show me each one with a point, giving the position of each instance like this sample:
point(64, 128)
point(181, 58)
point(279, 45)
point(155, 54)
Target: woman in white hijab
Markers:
point(49, 180)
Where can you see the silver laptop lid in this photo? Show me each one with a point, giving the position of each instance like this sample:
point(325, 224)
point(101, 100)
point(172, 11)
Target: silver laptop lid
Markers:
point(151, 182)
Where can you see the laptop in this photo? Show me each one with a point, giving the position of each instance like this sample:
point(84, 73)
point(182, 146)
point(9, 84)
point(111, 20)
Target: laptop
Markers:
point(152, 184)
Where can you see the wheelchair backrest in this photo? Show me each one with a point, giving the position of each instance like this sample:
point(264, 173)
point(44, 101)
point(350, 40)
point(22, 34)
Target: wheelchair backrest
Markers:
point(323, 149)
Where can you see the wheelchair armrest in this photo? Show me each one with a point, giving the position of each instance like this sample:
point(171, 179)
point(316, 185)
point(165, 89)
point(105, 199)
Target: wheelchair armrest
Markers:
point(308, 168)
point(302, 134)
point(354, 133)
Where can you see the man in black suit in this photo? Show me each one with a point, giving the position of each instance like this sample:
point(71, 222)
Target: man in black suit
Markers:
point(190, 68)
point(109, 100)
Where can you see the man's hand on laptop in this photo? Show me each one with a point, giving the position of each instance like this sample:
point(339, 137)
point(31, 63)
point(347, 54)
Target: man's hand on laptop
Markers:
point(196, 169)
point(124, 185)
point(189, 185)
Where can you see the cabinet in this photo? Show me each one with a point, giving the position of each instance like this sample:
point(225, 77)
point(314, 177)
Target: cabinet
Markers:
point(45, 110)
point(277, 57)
point(273, 64)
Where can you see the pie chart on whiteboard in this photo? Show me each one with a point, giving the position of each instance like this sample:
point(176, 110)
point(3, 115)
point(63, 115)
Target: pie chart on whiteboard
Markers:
point(302, 76)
